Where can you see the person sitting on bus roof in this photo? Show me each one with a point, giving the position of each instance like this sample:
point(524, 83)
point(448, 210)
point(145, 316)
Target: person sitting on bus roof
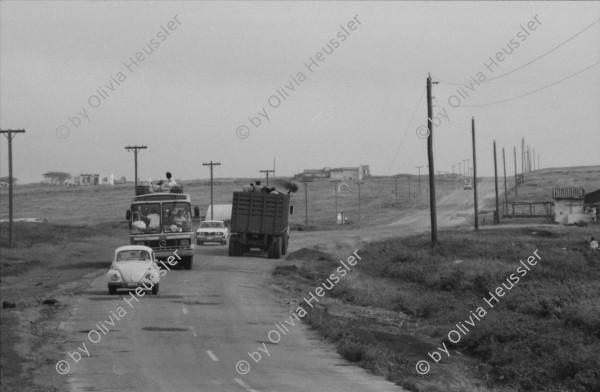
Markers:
point(169, 183)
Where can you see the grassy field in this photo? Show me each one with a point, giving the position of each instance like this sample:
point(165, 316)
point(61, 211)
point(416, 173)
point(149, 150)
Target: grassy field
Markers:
point(91, 205)
point(404, 299)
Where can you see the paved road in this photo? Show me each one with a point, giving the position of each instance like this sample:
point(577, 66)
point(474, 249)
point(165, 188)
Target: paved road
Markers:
point(204, 321)
point(190, 336)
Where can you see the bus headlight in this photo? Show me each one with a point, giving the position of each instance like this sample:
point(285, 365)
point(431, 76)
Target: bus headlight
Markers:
point(185, 242)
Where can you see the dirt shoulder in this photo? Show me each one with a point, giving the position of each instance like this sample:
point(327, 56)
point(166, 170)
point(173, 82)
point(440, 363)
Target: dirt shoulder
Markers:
point(47, 264)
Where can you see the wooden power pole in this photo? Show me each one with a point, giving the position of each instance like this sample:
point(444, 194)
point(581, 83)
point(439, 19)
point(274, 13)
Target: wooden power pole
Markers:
point(505, 189)
point(431, 168)
point(267, 173)
point(212, 204)
point(497, 213)
point(306, 180)
point(516, 182)
point(135, 152)
point(474, 175)
point(9, 135)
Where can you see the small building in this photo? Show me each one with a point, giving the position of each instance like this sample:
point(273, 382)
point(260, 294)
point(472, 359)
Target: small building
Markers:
point(568, 205)
point(87, 179)
point(315, 173)
point(591, 205)
point(350, 173)
point(107, 179)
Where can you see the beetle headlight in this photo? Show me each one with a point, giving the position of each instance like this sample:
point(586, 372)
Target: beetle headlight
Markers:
point(115, 276)
point(149, 276)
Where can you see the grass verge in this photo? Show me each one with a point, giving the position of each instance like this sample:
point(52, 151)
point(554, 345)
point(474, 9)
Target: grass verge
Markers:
point(404, 298)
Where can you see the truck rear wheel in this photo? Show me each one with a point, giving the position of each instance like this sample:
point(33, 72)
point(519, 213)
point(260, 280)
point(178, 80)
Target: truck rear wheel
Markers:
point(275, 248)
point(235, 248)
point(232, 246)
point(284, 245)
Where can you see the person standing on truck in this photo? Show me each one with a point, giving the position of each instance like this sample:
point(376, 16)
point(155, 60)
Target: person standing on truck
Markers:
point(256, 187)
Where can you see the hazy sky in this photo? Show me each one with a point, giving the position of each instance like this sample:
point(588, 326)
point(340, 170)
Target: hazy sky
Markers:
point(70, 77)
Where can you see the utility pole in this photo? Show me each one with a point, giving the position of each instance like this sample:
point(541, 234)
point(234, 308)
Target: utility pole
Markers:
point(467, 167)
point(335, 189)
point(497, 213)
point(452, 170)
point(419, 167)
point(359, 183)
point(523, 160)
point(212, 205)
point(516, 182)
point(267, 173)
point(431, 168)
point(306, 180)
point(474, 175)
point(538, 161)
point(505, 189)
point(135, 152)
point(533, 156)
point(9, 135)
point(459, 169)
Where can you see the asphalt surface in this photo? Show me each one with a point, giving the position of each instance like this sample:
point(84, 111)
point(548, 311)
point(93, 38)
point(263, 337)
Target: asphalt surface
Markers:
point(191, 336)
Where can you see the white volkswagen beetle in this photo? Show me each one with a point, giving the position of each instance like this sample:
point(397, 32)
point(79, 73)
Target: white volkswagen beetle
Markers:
point(133, 267)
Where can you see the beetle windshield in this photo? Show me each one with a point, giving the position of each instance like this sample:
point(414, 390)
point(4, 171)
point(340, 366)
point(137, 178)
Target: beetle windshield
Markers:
point(128, 255)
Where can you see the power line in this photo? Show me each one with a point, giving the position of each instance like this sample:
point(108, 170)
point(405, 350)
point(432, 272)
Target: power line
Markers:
point(534, 91)
point(544, 54)
point(532, 61)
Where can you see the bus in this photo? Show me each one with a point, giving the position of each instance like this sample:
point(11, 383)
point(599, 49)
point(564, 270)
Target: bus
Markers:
point(163, 222)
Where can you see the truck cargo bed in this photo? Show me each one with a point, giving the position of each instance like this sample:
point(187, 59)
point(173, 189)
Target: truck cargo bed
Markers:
point(260, 213)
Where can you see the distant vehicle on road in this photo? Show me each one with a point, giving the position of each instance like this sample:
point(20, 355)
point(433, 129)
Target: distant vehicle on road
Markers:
point(133, 267)
point(260, 220)
point(163, 222)
point(212, 231)
point(468, 185)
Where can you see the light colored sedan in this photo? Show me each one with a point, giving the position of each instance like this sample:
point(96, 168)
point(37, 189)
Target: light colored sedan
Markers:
point(212, 231)
point(133, 267)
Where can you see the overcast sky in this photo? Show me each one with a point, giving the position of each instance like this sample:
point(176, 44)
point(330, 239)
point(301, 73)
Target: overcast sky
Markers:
point(70, 77)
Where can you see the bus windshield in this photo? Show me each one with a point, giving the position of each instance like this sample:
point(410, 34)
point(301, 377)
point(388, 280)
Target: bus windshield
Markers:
point(176, 217)
point(145, 218)
point(166, 217)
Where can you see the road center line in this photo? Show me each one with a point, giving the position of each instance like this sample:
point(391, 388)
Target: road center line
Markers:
point(212, 356)
point(243, 385)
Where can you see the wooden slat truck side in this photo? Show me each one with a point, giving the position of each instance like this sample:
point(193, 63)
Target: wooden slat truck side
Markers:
point(259, 220)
